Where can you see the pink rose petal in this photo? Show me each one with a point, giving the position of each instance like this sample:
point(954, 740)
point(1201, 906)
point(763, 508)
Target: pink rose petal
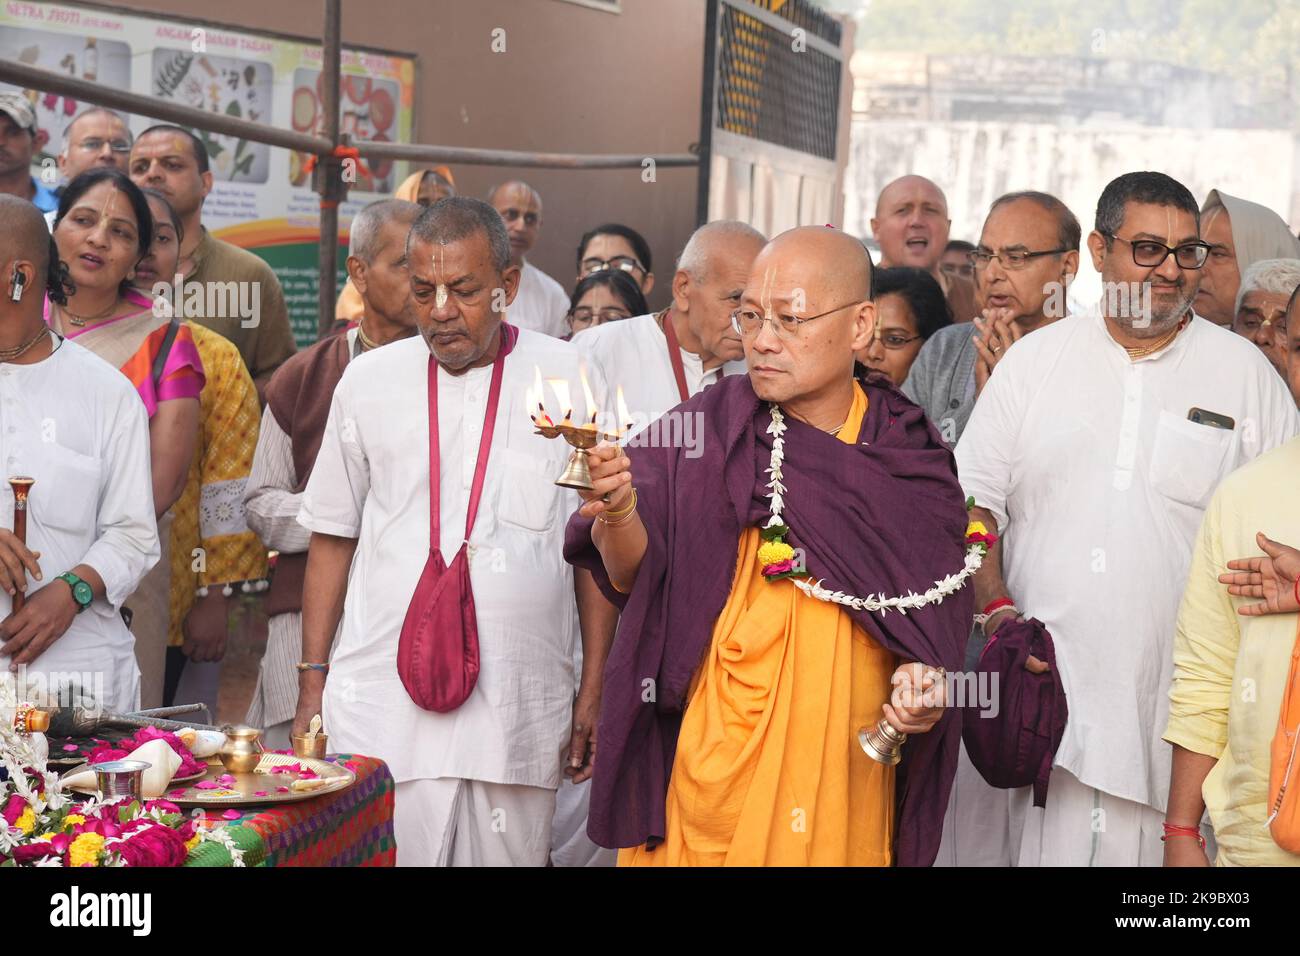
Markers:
point(70, 748)
point(281, 789)
point(178, 792)
point(232, 815)
point(207, 785)
point(259, 793)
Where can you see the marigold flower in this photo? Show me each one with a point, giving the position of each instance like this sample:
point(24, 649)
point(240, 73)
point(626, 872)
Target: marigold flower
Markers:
point(976, 527)
point(85, 850)
point(26, 821)
point(774, 552)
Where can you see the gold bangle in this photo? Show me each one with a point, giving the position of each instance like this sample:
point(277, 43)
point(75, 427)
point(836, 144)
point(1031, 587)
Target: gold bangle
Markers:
point(622, 515)
point(620, 522)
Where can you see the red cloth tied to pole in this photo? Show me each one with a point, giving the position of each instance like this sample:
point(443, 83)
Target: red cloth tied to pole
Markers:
point(437, 653)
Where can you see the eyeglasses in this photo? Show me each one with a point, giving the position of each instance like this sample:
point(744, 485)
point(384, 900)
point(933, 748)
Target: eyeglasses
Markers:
point(1011, 261)
point(1148, 253)
point(893, 340)
point(95, 145)
point(582, 318)
point(620, 263)
point(747, 321)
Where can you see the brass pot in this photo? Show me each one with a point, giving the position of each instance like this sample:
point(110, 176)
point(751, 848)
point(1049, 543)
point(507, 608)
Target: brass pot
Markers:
point(242, 750)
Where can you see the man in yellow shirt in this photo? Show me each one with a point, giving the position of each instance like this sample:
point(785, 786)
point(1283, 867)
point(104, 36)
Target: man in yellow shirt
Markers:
point(1231, 659)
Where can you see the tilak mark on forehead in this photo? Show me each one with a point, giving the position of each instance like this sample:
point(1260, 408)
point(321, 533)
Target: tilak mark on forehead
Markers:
point(765, 293)
point(440, 295)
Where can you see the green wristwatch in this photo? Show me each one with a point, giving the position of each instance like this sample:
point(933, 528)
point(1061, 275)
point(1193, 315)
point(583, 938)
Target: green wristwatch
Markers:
point(81, 591)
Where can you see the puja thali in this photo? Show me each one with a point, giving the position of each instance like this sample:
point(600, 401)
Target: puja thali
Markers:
point(279, 778)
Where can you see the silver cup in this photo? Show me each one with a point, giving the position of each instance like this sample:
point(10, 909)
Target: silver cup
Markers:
point(119, 779)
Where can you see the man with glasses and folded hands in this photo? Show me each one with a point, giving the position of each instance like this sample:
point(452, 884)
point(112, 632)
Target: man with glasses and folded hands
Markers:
point(1028, 255)
point(1094, 451)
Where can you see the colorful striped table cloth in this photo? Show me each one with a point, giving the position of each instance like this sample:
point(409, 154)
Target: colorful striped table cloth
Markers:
point(350, 828)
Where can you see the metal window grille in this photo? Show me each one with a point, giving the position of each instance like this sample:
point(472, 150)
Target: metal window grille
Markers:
point(773, 85)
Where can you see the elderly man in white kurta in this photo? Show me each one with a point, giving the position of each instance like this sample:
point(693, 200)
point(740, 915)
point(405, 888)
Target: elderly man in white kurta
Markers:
point(663, 359)
point(476, 778)
point(72, 422)
point(1094, 450)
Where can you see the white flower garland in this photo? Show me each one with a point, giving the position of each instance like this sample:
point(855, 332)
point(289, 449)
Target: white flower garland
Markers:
point(943, 588)
point(219, 835)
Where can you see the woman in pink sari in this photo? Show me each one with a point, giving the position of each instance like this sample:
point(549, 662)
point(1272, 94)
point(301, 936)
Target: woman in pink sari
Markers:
point(103, 228)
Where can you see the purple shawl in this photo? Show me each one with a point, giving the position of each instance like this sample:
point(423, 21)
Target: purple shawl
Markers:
point(883, 516)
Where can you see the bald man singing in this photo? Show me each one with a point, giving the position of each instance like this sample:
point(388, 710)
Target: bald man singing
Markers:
point(911, 224)
point(735, 688)
point(540, 304)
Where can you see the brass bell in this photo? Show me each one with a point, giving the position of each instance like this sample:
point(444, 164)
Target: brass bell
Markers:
point(882, 743)
point(576, 473)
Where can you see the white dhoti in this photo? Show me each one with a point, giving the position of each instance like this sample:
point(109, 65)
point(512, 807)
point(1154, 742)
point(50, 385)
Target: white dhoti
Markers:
point(1082, 826)
point(977, 824)
point(455, 822)
point(570, 845)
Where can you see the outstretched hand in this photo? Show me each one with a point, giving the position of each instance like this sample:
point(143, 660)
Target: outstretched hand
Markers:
point(1270, 579)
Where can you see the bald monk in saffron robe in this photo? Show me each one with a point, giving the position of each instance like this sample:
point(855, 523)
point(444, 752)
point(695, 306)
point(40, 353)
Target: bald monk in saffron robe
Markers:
point(732, 698)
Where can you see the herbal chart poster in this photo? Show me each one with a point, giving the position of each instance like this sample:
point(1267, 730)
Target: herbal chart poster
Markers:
point(262, 198)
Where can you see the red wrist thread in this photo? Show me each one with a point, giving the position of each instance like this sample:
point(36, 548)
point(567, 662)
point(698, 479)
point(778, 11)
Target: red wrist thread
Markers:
point(995, 605)
point(1175, 829)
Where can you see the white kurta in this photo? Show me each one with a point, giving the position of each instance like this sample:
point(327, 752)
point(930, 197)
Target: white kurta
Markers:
point(76, 425)
point(540, 304)
point(633, 353)
point(371, 481)
point(1098, 481)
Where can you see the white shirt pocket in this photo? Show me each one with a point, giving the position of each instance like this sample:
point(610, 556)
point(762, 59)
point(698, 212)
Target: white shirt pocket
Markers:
point(66, 493)
point(1188, 460)
point(529, 496)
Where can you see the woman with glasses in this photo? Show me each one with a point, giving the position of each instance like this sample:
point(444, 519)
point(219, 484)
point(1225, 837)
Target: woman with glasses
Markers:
point(618, 247)
point(604, 296)
point(910, 307)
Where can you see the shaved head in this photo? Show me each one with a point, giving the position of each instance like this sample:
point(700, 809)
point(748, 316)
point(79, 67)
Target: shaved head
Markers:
point(821, 275)
point(520, 207)
point(23, 235)
point(27, 247)
point(905, 185)
point(911, 223)
point(833, 263)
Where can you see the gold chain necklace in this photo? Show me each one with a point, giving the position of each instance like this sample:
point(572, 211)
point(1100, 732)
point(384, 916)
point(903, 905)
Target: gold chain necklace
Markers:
point(8, 355)
point(80, 320)
point(367, 343)
point(1141, 351)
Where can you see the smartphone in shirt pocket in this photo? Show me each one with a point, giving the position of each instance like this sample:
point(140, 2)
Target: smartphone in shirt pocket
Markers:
point(1191, 455)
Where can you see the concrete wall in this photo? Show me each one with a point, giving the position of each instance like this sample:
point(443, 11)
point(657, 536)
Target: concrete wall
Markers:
point(571, 79)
